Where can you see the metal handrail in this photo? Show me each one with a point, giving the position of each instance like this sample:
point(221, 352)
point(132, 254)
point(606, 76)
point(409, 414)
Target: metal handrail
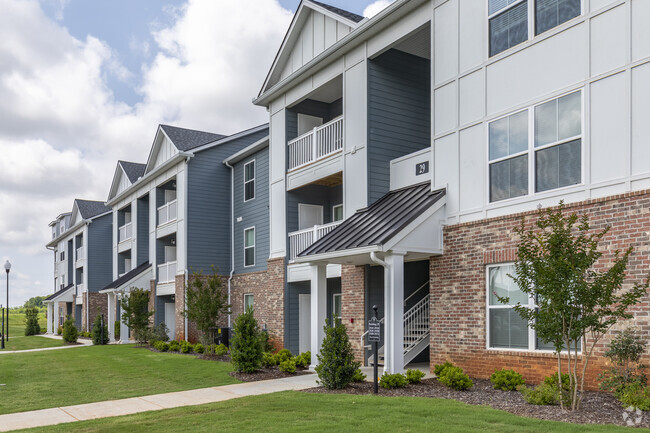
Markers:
point(419, 288)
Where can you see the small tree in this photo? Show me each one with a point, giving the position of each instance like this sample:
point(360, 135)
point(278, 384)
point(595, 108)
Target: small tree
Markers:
point(575, 301)
point(336, 365)
point(69, 332)
point(100, 330)
point(624, 354)
point(135, 313)
point(31, 321)
point(246, 346)
point(206, 303)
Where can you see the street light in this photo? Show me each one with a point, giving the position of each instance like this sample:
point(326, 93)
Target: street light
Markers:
point(7, 268)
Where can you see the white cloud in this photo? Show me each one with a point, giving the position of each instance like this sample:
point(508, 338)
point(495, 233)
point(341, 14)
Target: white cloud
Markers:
point(374, 8)
point(62, 131)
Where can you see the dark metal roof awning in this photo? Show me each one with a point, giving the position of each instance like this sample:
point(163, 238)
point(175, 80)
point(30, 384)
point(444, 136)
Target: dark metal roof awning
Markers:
point(124, 279)
point(60, 294)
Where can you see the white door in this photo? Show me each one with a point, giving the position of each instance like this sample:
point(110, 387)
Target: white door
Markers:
point(306, 123)
point(170, 319)
point(304, 323)
point(309, 215)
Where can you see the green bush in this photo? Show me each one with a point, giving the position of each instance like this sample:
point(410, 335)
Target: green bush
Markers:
point(390, 381)
point(439, 368)
point(455, 378)
point(85, 335)
point(414, 376)
point(336, 364)
point(282, 355)
point(542, 395)
point(199, 348)
point(565, 392)
point(116, 329)
point(174, 346)
point(59, 330)
point(358, 376)
point(161, 346)
point(303, 360)
point(69, 331)
point(31, 321)
point(288, 366)
point(160, 332)
point(246, 348)
point(268, 360)
point(506, 380)
point(99, 331)
point(220, 350)
point(266, 342)
point(635, 395)
point(186, 347)
point(624, 353)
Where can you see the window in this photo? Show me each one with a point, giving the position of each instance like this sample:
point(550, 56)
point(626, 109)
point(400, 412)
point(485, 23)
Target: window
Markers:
point(249, 247)
point(337, 213)
point(552, 151)
point(552, 13)
point(248, 301)
point(336, 307)
point(249, 181)
point(62, 256)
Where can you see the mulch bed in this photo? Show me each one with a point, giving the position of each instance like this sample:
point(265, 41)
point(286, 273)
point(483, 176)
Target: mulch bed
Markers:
point(265, 374)
point(596, 407)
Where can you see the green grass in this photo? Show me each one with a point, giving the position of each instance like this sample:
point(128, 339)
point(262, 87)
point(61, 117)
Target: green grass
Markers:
point(38, 380)
point(33, 342)
point(298, 412)
point(17, 323)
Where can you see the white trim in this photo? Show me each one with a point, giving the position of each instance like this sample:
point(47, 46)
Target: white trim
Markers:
point(334, 211)
point(248, 151)
point(252, 161)
point(250, 246)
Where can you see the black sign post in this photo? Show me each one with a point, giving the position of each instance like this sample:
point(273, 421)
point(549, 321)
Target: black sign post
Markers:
point(374, 335)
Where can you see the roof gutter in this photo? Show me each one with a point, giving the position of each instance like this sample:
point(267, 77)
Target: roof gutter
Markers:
point(336, 254)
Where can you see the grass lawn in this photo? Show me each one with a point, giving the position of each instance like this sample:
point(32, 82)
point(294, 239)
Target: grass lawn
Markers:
point(298, 412)
point(38, 380)
point(17, 323)
point(33, 342)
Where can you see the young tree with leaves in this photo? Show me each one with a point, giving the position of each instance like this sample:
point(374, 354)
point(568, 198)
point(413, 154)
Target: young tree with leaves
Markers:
point(135, 313)
point(247, 343)
point(576, 303)
point(206, 303)
point(31, 321)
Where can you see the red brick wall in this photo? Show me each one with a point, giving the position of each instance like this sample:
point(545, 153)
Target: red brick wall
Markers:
point(458, 280)
point(353, 301)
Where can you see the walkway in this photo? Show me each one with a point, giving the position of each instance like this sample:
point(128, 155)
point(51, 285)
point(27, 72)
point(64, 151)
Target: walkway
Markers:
point(128, 406)
point(82, 342)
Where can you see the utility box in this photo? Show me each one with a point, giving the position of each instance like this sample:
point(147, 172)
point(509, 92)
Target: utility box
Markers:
point(221, 336)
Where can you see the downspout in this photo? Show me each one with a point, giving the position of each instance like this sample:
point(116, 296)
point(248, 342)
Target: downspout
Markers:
point(85, 240)
point(185, 271)
point(388, 343)
point(232, 231)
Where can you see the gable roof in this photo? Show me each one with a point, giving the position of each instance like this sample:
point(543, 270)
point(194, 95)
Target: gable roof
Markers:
point(187, 139)
point(58, 293)
point(91, 208)
point(133, 170)
point(342, 12)
point(379, 222)
point(128, 276)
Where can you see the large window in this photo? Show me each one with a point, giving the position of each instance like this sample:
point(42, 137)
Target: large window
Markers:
point(545, 140)
point(249, 181)
point(508, 19)
point(249, 247)
point(337, 307)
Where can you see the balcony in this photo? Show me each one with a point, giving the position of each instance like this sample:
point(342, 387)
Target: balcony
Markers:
point(125, 232)
point(319, 143)
point(302, 239)
point(80, 288)
point(167, 212)
point(166, 272)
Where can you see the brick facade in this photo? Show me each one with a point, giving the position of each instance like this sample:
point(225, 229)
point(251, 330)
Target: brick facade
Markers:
point(97, 304)
point(353, 302)
point(458, 284)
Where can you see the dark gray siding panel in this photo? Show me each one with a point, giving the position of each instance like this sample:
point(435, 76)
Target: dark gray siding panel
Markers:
point(143, 231)
point(253, 213)
point(291, 313)
point(70, 256)
point(312, 194)
point(399, 114)
point(100, 248)
point(208, 205)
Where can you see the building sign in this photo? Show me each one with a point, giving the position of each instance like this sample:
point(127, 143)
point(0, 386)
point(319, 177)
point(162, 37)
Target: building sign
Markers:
point(374, 330)
point(421, 168)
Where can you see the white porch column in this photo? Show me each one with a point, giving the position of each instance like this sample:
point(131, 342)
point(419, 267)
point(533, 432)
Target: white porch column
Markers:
point(318, 309)
point(394, 331)
point(111, 316)
point(50, 318)
point(56, 317)
point(124, 330)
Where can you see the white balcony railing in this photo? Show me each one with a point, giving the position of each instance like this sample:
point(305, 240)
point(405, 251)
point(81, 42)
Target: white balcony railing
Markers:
point(80, 288)
point(167, 212)
point(167, 272)
point(125, 232)
point(302, 239)
point(79, 255)
point(316, 144)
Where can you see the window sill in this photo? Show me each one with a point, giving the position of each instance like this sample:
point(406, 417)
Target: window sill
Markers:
point(528, 353)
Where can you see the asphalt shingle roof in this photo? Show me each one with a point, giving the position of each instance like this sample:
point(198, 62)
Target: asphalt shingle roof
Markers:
point(187, 139)
point(91, 208)
point(345, 14)
point(379, 222)
point(126, 277)
point(55, 294)
point(133, 170)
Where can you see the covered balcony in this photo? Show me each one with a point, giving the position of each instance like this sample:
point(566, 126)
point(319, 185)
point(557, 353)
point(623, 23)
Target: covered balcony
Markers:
point(125, 226)
point(167, 210)
point(167, 272)
point(302, 239)
point(166, 265)
point(319, 143)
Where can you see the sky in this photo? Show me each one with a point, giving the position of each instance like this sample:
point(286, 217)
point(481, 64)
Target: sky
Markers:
point(84, 83)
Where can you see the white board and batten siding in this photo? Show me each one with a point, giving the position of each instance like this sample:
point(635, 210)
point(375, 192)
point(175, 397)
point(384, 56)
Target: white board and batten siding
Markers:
point(604, 53)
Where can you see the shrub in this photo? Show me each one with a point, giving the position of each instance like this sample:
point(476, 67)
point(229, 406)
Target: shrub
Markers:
point(336, 365)
point(246, 349)
point(186, 347)
point(85, 334)
point(160, 332)
point(390, 381)
point(220, 350)
point(59, 330)
point(99, 331)
point(506, 380)
point(161, 346)
point(542, 395)
point(624, 354)
point(266, 342)
point(282, 355)
point(414, 376)
point(69, 331)
point(439, 368)
point(288, 366)
point(116, 329)
point(636, 395)
point(174, 346)
point(303, 360)
point(31, 321)
point(455, 378)
point(268, 360)
point(199, 348)
point(565, 391)
point(358, 376)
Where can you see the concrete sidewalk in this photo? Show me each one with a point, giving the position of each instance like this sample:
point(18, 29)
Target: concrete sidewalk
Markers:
point(127, 406)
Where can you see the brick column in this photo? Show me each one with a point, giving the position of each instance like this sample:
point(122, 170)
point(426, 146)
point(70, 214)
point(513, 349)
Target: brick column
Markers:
point(353, 305)
point(274, 300)
point(152, 301)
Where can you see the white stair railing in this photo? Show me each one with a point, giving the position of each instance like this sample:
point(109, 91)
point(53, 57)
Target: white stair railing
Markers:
point(302, 239)
point(318, 143)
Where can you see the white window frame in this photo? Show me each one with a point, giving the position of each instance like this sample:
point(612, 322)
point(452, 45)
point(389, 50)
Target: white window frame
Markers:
point(532, 150)
point(246, 295)
point(532, 334)
point(250, 246)
point(531, 23)
point(334, 296)
point(252, 161)
point(342, 213)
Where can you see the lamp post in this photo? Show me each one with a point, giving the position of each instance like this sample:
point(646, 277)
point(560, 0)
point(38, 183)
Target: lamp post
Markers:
point(7, 268)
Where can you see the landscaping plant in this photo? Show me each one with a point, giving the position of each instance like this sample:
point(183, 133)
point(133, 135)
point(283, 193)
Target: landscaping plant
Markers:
point(99, 331)
point(336, 364)
point(390, 381)
point(135, 313)
point(246, 346)
point(31, 321)
point(439, 368)
point(455, 378)
point(288, 366)
point(268, 360)
point(282, 355)
point(69, 332)
point(174, 346)
point(358, 376)
point(220, 350)
point(160, 332)
point(116, 329)
point(186, 347)
point(206, 304)
point(577, 301)
point(199, 348)
point(624, 353)
point(506, 380)
point(542, 395)
point(414, 376)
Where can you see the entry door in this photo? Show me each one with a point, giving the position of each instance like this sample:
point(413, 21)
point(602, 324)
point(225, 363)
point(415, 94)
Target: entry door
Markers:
point(307, 123)
point(170, 319)
point(304, 323)
point(309, 215)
